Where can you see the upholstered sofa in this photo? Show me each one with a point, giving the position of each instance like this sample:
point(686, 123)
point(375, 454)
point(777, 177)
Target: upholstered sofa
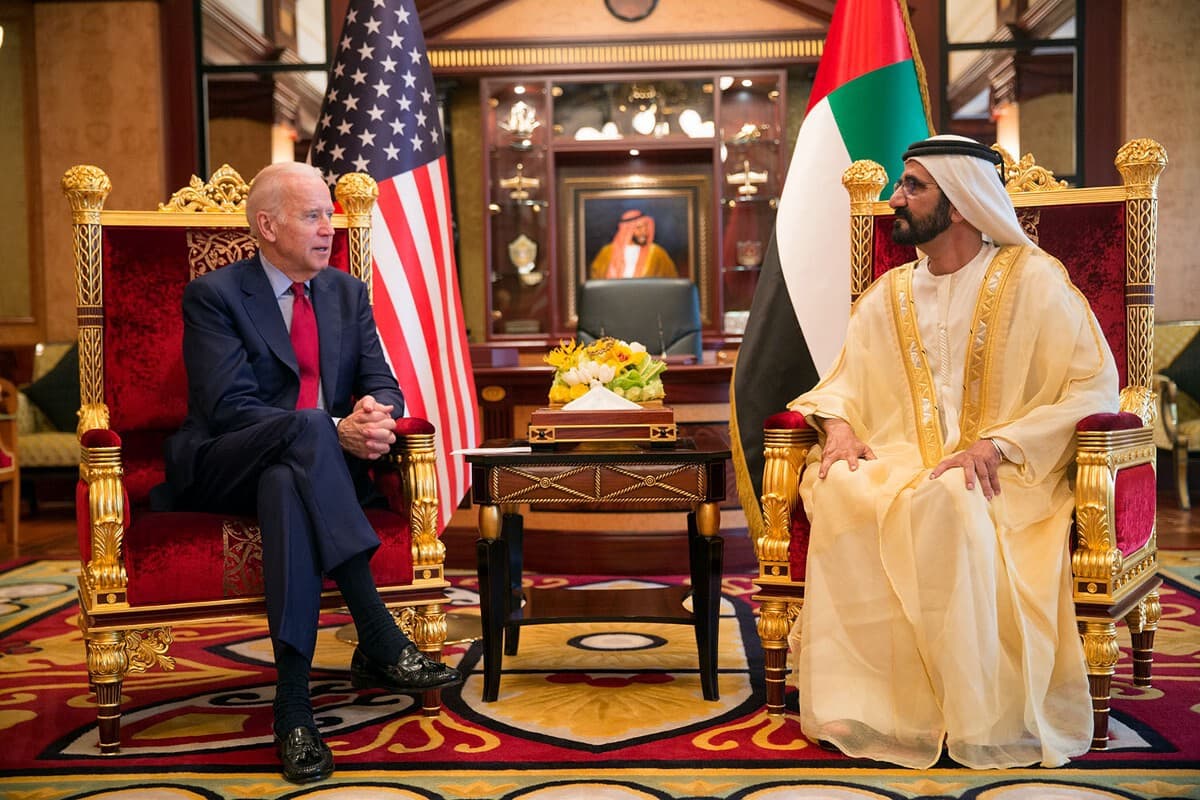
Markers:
point(1177, 382)
point(47, 414)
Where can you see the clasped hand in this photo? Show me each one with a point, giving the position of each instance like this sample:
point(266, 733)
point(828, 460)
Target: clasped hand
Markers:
point(980, 461)
point(369, 430)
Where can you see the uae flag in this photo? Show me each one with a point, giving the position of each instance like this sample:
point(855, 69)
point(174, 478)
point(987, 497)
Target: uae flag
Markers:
point(380, 116)
point(868, 101)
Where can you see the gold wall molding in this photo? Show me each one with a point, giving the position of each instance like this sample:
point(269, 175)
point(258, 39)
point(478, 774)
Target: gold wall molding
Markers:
point(734, 53)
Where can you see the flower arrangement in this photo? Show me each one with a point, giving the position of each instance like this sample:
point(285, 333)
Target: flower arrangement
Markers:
point(624, 368)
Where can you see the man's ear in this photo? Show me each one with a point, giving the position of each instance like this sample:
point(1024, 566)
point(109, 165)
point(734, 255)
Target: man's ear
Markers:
point(955, 216)
point(266, 226)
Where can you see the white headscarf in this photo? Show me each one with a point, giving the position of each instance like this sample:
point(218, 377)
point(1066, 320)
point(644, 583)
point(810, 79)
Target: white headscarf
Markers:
point(973, 186)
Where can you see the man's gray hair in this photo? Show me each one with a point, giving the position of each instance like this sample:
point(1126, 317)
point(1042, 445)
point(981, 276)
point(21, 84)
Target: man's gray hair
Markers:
point(267, 188)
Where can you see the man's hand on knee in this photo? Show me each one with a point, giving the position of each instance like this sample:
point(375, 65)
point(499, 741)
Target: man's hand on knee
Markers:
point(980, 461)
point(841, 444)
point(369, 431)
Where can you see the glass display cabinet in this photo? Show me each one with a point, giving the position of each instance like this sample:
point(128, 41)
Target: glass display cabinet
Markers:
point(567, 159)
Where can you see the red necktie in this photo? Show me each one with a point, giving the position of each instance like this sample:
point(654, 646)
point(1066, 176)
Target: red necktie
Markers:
point(304, 342)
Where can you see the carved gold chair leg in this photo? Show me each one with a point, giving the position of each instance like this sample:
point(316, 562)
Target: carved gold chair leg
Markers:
point(107, 665)
point(773, 631)
point(1180, 454)
point(1143, 622)
point(429, 634)
point(1101, 651)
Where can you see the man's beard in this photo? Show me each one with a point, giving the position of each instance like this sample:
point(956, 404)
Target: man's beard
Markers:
point(920, 230)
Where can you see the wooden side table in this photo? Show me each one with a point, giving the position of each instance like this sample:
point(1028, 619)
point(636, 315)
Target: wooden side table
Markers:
point(628, 479)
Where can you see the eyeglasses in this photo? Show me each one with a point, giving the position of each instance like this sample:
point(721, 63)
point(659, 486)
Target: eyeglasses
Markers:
point(911, 186)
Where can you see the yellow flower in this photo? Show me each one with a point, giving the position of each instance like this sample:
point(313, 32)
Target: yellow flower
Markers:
point(623, 367)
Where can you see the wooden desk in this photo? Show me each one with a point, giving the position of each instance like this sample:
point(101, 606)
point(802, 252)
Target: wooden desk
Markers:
point(680, 477)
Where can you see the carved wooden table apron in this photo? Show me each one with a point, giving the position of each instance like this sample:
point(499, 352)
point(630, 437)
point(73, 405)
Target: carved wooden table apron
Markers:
point(628, 479)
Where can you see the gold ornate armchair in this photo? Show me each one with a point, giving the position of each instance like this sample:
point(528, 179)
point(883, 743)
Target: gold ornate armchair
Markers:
point(1106, 239)
point(142, 571)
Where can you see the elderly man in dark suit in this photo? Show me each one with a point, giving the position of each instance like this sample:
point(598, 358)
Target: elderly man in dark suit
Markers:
point(289, 399)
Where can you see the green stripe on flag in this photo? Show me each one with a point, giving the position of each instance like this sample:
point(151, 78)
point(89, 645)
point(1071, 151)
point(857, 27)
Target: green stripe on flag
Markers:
point(880, 114)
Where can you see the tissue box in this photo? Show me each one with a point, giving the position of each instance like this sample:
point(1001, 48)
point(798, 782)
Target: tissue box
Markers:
point(553, 428)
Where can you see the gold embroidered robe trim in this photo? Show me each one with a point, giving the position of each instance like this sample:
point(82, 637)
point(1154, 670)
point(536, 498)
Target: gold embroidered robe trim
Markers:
point(982, 352)
point(916, 366)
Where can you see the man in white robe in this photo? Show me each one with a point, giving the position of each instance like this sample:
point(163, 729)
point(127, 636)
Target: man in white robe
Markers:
point(938, 605)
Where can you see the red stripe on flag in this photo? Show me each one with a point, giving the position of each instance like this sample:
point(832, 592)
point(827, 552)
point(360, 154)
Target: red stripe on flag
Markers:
point(433, 341)
point(387, 319)
point(453, 351)
point(388, 324)
point(864, 35)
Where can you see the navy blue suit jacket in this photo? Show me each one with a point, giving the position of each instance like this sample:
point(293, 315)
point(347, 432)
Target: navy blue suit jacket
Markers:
point(241, 366)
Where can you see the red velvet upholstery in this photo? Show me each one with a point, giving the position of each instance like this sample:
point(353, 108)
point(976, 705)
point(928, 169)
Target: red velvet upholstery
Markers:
point(798, 544)
point(1123, 421)
point(1096, 264)
point(1135, 506)
point(182, 557)
point(786, 420)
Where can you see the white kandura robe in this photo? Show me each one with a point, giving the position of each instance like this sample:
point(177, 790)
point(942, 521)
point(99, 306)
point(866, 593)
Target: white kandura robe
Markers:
point(930, 612)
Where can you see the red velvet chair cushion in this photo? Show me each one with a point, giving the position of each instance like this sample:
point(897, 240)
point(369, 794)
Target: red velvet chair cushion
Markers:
point(181, 557)
point(786, 420)
point(1121, 421)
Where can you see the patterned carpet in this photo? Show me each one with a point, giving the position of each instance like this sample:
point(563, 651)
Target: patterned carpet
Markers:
point(607, 711)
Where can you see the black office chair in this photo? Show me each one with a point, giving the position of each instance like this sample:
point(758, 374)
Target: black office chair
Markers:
point(661, 313)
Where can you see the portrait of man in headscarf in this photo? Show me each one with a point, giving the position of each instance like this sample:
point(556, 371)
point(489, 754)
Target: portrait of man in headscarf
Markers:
point(632, 253)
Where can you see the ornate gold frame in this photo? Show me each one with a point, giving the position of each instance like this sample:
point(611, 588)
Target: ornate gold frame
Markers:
point(577, 189)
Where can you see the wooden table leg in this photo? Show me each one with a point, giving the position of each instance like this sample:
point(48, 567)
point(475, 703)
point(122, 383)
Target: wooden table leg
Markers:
point(706, 551)
point(492, 554)
point(514, 538)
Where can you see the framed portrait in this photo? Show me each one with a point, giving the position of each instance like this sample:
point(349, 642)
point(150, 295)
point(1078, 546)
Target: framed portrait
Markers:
point(679, 205)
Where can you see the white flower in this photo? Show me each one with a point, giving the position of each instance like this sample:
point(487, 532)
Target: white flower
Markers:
point(637, 347)
point(573, 376)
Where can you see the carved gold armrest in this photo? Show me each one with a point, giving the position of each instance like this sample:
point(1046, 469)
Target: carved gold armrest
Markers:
point(103, 582)
point(784, 452)
point(1100, 571)
point(415, 455)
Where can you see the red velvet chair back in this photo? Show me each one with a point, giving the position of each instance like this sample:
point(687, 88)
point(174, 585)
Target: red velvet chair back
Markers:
point(1088, 238)
point(144, 271)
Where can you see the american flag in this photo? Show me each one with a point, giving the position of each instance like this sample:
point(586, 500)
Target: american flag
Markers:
point(380, 116)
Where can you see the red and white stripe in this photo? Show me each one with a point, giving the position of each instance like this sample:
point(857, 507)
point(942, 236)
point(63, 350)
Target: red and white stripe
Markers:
point(418, 311)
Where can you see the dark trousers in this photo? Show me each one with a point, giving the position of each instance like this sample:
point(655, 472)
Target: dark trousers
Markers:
point(292, 473)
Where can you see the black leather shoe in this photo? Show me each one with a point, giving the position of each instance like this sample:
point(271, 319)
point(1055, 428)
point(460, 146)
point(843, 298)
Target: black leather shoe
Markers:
point(412, 673)
point(305, 757)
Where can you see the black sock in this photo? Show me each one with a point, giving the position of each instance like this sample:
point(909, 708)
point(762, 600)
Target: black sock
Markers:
point(378, 636)
point(293, 706)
